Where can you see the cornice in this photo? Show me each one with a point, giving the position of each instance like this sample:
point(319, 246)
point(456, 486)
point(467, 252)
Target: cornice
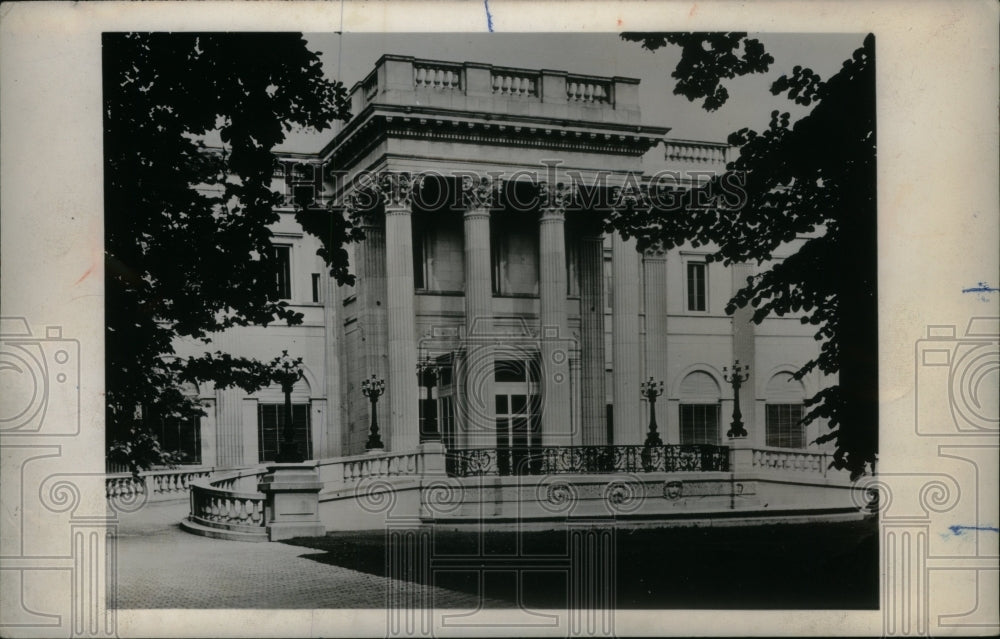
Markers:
point(488, 129)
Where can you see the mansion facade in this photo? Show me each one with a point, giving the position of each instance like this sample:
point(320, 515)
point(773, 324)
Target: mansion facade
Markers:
point(489, 297)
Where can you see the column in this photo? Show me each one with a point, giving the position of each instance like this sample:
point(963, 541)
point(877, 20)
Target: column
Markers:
point(476, 408)
point(335, 423)
point(401, 385)
point(207, 432)
point(555, 342)
point(654, 265)
point(594, 397)
point(744, 350)
point(629, 428)
point(250, 428)
point(371, 301)
point(229, 428)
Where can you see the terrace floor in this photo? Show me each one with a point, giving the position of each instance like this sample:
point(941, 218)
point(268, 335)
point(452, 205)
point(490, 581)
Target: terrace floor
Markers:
point(799, 566)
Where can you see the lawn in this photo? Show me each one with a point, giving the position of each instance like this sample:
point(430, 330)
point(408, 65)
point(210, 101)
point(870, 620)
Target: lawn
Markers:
point(798, 566)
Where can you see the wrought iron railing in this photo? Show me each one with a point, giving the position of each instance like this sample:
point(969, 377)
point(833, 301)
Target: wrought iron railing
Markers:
point(547, 460)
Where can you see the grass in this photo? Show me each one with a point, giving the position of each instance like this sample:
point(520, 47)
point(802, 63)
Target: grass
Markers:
point(797, 566)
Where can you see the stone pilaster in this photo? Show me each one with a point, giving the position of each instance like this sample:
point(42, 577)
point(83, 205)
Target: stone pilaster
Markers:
point(629, 428)
point(554, 335)
point(477, 408)
point(744, 350)
point(371, 295)
point(395, 190)
point(654, 265)
point(335, 424)
point(594, 398)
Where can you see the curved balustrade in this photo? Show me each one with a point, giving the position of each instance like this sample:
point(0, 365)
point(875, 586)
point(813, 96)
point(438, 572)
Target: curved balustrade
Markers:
point(226, 509)
point(586, 459)
point(790, 460)
point(588, 91)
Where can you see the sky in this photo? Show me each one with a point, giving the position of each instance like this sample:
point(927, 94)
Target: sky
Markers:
point(353, 55)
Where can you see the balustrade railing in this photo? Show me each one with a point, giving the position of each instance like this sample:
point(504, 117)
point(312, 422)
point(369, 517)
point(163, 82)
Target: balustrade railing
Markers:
point(350, 470)
point(785, 459)
point(230, 502)
point(437, 76)
point(586, 459)
point(514, 83)
point(588, 90)
point(696, 152)
point(228, 509)
point(156, 485)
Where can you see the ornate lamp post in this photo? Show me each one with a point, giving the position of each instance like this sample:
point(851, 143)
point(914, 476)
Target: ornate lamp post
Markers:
point(736, 377)
point(651, 390)
point(427, 375)
point(373, 388)
point(287, 375)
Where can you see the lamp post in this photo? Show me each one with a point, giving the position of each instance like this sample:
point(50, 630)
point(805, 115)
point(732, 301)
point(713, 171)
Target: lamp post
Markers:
point(373, 388)
point(427, 375)
point(736, 377)
point(650, 390)
point(287, 376)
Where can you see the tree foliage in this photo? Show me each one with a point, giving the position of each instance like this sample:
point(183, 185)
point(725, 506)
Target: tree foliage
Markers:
point(187, 242)
point(813, 181)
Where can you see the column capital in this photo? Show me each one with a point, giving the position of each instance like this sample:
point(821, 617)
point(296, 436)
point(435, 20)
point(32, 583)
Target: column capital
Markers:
point(557, 196)
point(395, 190)
point(655, 252)
point(479, 193)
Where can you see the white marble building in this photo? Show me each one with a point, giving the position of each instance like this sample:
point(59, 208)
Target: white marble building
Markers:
point(542, 326)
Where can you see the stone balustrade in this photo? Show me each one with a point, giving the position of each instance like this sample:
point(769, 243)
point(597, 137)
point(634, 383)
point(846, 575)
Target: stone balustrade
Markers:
point(588, 90)
point(226, 509)
point(785, 459)
point(402, 80)
point(155, 485)
point(346, 471)
point(432, 75)
point(515, 83)
point(688, 151)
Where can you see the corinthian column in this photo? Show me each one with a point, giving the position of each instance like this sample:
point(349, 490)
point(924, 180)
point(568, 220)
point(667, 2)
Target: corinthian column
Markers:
point(628, 421)
point(477, 406)
point(555, 342)
point(593, 412)
point(396, 193)
point(370, 294)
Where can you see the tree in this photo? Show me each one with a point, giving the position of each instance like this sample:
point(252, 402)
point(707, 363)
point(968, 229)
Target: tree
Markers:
point(187, 244)
point(813, 179)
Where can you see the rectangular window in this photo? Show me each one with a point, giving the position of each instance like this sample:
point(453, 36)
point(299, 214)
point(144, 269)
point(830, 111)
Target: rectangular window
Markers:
point(782, 427)
point(514, 255)
point(696, 286)
point(283, 271)
point(315, 288)
point(699, 423)
point(271, 429)
point(181, 436)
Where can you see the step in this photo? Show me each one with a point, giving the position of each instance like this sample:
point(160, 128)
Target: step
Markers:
point(219, 533)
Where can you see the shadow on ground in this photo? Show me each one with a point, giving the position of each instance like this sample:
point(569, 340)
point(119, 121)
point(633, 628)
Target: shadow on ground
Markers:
point(797, 566)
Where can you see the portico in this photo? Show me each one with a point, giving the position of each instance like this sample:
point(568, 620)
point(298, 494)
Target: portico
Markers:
point(500, 153)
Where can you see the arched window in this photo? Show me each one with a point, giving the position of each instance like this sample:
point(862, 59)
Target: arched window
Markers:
point(783, 427)
point(699, 409)
point(271, 420)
